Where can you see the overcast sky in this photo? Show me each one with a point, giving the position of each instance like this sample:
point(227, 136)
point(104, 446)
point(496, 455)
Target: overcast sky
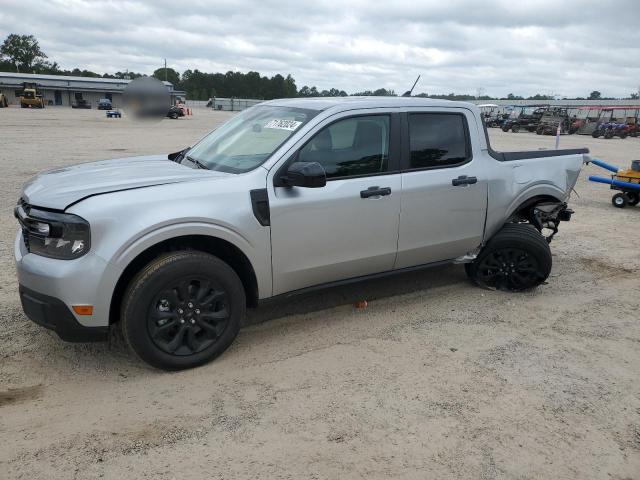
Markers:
point(525, 47)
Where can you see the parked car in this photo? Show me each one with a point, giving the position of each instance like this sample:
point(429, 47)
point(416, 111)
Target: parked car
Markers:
point(105, 104)
point(81, 103)
point(287, 196)
point(175, 112)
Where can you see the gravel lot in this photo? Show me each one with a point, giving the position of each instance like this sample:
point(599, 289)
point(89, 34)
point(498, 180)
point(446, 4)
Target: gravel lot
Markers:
point(435, 379)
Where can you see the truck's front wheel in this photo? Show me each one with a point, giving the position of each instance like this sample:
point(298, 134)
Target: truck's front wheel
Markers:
point(517, 258)
point(182, 310)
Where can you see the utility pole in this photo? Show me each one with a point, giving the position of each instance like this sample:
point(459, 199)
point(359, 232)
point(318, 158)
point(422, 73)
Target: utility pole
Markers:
point(165, 70)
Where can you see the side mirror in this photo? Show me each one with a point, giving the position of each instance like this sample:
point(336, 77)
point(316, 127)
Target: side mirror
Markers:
point(304, 174)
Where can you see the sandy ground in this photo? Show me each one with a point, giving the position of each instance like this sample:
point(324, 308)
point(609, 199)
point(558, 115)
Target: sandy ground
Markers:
point(435, 379)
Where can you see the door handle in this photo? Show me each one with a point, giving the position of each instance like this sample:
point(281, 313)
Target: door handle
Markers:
point(463, 180)
point(375, 192)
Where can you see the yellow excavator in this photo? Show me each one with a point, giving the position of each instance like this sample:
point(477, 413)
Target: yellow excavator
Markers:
point(30, 98)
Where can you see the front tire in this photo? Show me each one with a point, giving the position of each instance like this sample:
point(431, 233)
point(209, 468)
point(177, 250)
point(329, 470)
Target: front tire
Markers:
point(182, 310)
point(516, 259)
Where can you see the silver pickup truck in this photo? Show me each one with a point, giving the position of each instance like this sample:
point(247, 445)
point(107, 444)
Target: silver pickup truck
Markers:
point(286, 196)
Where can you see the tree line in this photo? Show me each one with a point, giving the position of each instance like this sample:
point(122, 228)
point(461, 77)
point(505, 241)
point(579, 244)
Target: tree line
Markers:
point(22, 53)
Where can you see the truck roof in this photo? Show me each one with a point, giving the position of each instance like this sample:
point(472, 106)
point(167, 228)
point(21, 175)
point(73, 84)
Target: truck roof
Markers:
point(350, 103)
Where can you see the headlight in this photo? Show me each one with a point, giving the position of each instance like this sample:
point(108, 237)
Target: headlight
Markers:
point(54, 235)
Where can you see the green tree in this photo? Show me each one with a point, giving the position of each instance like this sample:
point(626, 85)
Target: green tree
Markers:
point(308, 92)
point(171, 76)
point(595, 95)
point(380, 92)
point(23, 51)
point(538, 96)
point(76, 72)
point(290, 89)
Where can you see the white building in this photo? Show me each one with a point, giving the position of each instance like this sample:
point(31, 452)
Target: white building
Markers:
point(66, 90)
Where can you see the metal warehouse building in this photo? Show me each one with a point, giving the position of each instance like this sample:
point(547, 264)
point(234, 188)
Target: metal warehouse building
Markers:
point(66, 90)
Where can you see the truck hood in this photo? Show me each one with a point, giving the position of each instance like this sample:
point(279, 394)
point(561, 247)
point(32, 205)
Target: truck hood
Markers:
point(61, 187)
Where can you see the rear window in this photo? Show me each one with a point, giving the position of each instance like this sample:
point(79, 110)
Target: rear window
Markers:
point(437, 140)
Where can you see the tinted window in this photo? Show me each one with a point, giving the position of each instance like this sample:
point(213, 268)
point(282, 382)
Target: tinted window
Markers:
point(354, 146)
point(437, 140)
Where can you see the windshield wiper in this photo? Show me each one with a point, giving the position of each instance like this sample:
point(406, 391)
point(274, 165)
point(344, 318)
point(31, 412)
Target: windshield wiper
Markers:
point(197, 163)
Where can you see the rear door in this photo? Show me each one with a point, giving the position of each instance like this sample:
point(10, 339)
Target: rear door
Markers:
point(444, 187)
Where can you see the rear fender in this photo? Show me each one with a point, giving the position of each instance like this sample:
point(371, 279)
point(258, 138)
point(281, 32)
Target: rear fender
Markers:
point(535, 194)
point(545, 212)
point(526, 199)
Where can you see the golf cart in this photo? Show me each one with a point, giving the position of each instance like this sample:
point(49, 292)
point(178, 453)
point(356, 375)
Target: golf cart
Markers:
point(492, 114)
point(551, 118)
point(524, 117)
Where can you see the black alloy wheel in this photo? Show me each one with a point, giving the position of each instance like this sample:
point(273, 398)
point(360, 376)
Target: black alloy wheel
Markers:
point(516, 258)
point(188, 316)
point(509, 269)
point(182, 310)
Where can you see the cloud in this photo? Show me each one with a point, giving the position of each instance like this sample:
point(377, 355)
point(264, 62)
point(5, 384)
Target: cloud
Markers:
point(525, 47)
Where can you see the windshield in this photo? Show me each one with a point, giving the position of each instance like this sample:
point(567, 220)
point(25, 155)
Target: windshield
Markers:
point(248, 140)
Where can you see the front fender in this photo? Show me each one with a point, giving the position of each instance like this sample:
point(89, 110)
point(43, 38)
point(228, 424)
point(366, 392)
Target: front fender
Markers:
point(131, 249)
point(256, 253)
point(135, 246)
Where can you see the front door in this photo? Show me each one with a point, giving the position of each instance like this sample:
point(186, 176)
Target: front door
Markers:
point(348, 228)
point(444, 188)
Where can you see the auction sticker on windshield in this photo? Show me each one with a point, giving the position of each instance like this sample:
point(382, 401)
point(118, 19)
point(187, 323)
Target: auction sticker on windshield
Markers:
point(283, 124)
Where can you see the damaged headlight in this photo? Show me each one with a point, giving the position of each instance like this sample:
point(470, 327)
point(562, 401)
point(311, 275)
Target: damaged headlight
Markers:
point(52, 234)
